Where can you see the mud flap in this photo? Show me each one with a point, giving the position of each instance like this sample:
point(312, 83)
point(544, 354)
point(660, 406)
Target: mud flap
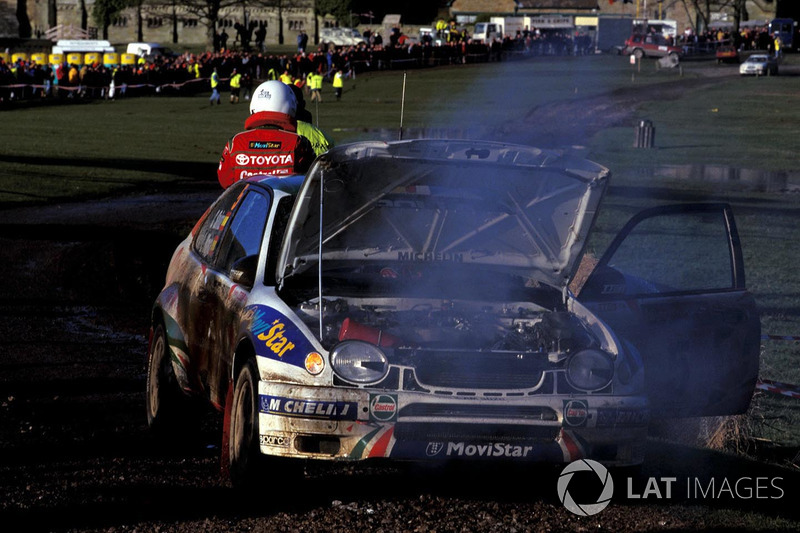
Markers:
point(224, 456)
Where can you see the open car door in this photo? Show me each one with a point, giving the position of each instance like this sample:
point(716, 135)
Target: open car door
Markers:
point(672, 283)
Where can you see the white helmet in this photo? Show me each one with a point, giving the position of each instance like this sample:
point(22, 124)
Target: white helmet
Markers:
point(274, 96)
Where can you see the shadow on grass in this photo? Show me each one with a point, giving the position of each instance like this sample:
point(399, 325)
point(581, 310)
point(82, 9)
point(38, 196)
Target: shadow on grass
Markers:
point(186, 169)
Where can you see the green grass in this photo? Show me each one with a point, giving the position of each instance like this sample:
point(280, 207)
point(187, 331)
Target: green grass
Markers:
point(54, 153)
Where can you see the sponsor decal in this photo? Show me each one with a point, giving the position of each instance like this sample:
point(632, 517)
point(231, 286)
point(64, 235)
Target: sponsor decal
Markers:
point(430, 257)
point(622, 417)
point(324, 410)
point(252, 160)
point(280, 441)
point(434, 448)
point(491, 449)
point(244, 174)
point(276, 337)
point(265, 145)
point(383, 407)
point(575, 412)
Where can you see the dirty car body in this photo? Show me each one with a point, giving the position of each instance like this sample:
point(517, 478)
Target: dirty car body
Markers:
point(405, 300)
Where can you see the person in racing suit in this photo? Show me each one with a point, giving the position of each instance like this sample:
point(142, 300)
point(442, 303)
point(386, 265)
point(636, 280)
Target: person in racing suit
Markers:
point(270, 143)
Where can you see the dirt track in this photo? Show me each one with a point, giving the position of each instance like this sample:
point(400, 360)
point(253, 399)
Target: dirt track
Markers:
point(76, 454)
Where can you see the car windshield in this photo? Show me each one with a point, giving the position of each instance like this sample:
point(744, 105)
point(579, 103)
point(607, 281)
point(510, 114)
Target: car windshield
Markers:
point(516, 210)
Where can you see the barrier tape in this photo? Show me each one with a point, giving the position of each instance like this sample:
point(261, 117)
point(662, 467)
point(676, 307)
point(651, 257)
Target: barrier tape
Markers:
point(776, 387)
point(59, 87)
point(780, 337)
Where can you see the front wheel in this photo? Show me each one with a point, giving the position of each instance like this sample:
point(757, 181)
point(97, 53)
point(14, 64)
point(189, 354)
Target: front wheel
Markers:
point(164, 398)
point(638, 53)
point(244, 453)
point(245, 462)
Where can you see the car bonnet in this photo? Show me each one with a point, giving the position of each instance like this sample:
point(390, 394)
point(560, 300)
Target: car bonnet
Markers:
point(501, 206)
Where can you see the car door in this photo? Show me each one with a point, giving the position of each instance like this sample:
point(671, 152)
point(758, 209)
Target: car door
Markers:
point(216, 299)
point(672, 283)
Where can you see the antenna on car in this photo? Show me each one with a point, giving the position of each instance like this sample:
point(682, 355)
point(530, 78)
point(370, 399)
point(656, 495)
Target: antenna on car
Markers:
point(402, 106)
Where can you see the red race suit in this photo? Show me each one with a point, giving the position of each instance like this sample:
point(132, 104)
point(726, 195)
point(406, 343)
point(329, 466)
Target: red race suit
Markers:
point(269, 145)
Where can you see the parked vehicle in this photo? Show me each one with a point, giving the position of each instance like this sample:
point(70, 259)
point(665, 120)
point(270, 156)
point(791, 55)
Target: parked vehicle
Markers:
point(727, 54)
point(409, 300)
point(651, 45)
point(759, 65)
point(787, 30)
point(341, 36)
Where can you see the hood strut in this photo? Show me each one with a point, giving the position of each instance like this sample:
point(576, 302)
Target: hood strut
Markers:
point(319, 251)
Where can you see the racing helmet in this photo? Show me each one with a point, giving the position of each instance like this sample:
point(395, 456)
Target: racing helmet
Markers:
point(274, 96)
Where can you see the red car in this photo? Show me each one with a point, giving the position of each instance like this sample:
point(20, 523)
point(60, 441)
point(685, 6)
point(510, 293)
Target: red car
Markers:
point(651, 45)
point(727, 54)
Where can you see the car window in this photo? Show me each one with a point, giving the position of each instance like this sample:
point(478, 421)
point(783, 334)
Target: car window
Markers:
point(246, 230)
point(676, 253)
point(206, 242)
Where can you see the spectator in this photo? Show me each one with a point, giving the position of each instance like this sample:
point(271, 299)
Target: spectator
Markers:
point(270, 143)
point(215, 97)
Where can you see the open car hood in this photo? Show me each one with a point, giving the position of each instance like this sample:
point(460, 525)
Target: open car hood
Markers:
point(512, 209)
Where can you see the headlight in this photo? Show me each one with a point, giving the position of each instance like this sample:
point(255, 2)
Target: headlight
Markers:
point(359, 362)
point(590, 370)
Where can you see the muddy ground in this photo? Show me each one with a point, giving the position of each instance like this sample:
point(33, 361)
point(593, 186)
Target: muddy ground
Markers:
point(75, 453)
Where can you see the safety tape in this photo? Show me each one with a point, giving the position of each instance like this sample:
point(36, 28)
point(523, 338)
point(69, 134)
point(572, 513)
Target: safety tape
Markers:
point(780, 337)
point(776, 387)
point(56, 86)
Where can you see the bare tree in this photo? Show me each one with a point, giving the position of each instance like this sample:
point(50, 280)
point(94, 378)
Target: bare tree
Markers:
point(22, 19)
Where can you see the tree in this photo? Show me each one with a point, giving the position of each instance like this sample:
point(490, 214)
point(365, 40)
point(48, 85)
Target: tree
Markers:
point(104, 11)
point(22, 19)
point(338, 9)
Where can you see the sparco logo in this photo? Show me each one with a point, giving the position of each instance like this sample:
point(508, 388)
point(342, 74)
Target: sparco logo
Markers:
point(262, 160)
point(274, 440)
point(585, 465)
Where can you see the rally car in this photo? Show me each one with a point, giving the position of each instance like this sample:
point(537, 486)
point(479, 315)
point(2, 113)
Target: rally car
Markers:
point(410, 300)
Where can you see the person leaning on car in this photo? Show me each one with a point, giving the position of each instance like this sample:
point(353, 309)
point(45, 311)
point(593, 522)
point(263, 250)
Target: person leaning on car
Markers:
point(270, 143)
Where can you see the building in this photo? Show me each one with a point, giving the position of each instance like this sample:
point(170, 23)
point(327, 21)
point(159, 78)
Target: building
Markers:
point(167, 23)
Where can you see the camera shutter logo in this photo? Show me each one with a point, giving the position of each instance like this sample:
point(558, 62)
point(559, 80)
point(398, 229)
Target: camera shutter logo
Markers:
point(584, 465)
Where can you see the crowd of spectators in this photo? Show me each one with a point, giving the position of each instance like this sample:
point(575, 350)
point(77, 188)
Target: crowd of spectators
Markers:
point(746, 39)
point(188, 74)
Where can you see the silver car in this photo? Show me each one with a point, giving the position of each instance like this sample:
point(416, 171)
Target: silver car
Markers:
point(410, 300)
point(759, 65)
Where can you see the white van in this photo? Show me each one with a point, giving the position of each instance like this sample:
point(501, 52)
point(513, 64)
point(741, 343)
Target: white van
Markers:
point(149, 50)
point(341, 36)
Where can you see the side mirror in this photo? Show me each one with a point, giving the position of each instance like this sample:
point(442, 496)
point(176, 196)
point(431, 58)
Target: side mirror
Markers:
point(243, 271)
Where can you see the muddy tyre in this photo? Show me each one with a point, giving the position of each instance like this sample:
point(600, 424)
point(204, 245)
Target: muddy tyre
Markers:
point(244, 453)
point(164, 400)
point(247, 464)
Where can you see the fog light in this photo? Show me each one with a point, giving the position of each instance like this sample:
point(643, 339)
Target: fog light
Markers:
point(590, 370)
point(314, 363)
point(359, 362)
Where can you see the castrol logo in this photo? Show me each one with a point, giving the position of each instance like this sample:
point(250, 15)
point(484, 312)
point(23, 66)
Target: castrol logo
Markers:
point(264, 160)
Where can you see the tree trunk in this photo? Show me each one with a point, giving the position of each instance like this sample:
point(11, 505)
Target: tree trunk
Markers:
point(23, 20)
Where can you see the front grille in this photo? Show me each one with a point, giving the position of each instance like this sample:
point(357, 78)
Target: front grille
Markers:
point(479, 370)
point(515, 412)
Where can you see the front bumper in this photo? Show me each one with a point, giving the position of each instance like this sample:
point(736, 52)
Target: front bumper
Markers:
point(355, 424)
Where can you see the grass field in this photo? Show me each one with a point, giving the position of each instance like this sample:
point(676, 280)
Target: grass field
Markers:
point(735, 142)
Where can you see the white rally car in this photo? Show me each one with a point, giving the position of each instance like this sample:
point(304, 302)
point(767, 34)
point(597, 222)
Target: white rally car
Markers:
point(409, 300)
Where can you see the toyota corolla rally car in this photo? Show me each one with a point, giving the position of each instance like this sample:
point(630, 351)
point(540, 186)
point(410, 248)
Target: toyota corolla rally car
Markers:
point(409, 300)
